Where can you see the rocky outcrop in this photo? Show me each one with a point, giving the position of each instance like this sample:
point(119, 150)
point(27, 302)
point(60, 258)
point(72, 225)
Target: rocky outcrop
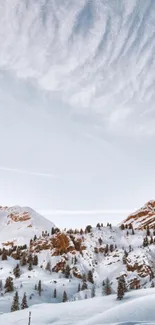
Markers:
point(143, 217)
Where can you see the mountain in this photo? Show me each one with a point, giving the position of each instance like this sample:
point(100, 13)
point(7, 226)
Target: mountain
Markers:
point(19, 224)
point(143, 217)
point(75, 261)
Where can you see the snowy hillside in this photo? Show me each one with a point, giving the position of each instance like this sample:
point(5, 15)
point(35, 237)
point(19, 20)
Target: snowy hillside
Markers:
point(137, 307)
point(143, 217)
point(74, 262)
point(19, 225)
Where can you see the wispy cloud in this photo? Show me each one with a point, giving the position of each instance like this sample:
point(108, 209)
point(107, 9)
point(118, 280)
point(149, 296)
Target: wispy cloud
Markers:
point(27, 172)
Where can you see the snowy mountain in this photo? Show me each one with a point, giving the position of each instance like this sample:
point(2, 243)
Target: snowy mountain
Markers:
point(143, 217)
point(76, 262)
point(19, 224)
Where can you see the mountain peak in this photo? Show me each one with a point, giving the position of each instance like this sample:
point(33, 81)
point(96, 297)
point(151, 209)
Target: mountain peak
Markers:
point(20, 224)
point(143, 217)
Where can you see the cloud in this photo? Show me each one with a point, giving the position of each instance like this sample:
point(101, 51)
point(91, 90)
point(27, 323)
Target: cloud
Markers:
point(93, 54)
point(26, 172)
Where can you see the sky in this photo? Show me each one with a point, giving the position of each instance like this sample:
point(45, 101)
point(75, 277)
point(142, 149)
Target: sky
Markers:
point(77, 108)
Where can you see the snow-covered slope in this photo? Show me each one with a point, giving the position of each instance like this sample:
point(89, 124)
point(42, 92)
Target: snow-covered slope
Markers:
point(137, 307)
point(20, 224)
point(142, 217)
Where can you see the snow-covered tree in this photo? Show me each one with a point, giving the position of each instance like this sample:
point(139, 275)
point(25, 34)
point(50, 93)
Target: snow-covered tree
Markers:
point(9, 284)
point(121, 288)
point(64, 298)
point(16, 271)
point(15, 304)
point(107, 287)
point(24, 304)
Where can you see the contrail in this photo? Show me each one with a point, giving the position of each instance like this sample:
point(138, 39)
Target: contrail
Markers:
point(26, 172)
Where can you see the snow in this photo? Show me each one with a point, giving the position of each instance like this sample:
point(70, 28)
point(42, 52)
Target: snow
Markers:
point(137, 306)
point(21, 232)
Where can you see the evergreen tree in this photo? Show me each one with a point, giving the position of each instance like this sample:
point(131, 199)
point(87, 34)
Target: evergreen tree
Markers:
point(16, 271)
point(93, 291)
point(88, 229)
point(90, 277)
point(107, 287)
point(145, 242)
point(30, 259)
point(48, 266)
point(15, 304)
point(23, 260)
point(9, 284)
point(111, 248)
point(67, 272)
point(55, 293)
point(4, 255)
point(35, 260)
point(24, 304)
point(39, 288)
point(64, 298)
point(79, 287)
point(151, 240)
point(147, 231)
point(122, 226)
point(121, 288)
point(84, 283)
point(106, 249)
point(1, 285)
point(30, 268)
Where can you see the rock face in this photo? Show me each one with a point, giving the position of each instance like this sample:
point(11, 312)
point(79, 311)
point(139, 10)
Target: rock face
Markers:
point(143, 217)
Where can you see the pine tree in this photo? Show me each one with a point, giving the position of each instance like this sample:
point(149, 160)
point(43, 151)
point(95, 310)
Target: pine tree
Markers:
point(64, 298)
point(24, 304)
point(30, 259)
point(1, 285)
point(39, 288)
point(107, 287)
point(121, 288)
point(147, 231)
point(145, 242)
point(133, 232)
point(55, 293)
point(16, 271)
point(9, 284)
point(35, 260)
point(93, 291)
point(67, 272)
point(30, 268)
point(84, 283)
point(48, 266)
point(23, 260)
point(90, 277)
point(15, 304)
point(4, 255)
point(79, 287)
